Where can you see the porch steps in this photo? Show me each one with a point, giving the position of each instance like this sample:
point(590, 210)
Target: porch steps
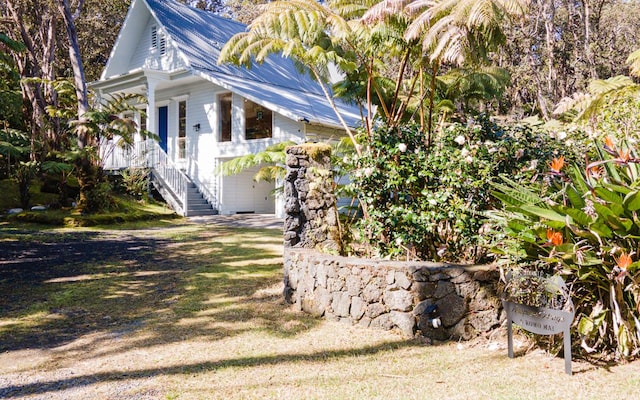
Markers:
point(197, 205)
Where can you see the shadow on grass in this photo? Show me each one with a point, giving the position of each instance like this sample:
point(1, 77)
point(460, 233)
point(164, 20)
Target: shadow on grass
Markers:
point(171, 283)
point(187, 369)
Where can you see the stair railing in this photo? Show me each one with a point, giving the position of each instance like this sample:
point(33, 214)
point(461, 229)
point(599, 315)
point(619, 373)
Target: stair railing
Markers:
point(169, 174)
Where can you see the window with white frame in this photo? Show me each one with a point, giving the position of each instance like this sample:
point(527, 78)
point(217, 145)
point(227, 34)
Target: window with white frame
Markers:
point(258, 121)
point(182, 129)
point(225, 112)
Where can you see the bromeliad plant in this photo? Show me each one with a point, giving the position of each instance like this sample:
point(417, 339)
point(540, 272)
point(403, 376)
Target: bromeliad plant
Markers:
point(585, 225)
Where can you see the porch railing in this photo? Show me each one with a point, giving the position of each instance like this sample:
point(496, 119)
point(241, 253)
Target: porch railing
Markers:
point(115, 157)
point(170, 181)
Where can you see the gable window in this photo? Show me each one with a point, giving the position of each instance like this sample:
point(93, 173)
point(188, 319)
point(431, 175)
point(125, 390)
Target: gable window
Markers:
point(258, 121)
point(182, 129)
point(225, 117)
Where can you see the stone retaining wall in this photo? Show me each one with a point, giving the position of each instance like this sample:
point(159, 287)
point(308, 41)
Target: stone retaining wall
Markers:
point(439, 301)
point(409, 296)
point(311, 217)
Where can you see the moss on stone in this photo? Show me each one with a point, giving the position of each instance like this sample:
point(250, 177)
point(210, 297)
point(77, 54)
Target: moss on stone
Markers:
point(316, 150)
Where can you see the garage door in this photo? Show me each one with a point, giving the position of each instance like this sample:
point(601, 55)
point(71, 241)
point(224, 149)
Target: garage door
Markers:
point(242, 195)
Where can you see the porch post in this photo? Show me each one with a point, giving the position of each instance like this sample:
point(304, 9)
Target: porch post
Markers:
point(152, 123)
point(152, 119)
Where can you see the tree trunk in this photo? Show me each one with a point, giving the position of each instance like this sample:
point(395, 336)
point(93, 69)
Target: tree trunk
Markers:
point(78, 70)
point(38, 58)
point(87, 169)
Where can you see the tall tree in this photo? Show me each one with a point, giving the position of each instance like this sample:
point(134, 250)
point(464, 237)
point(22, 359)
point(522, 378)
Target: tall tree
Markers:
point(34, 23)
point(98, 27)
point(559, 47)
point(458, 33)
point(10, 96)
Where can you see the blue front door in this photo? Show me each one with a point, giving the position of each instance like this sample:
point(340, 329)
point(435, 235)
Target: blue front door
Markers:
point(163, 126)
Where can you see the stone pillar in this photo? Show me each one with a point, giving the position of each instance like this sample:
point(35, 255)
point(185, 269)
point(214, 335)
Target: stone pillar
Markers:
point(311, 217)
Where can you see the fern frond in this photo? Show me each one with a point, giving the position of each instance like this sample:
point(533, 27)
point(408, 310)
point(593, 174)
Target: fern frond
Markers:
point(634, 63)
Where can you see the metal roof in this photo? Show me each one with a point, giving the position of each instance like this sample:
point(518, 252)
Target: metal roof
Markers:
point(276, 83)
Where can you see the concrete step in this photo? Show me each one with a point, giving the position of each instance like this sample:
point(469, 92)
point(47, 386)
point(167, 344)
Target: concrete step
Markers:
point(205, 206)
point(198, 213)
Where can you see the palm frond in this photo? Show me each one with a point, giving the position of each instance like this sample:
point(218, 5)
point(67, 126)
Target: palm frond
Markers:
point(601, 92)
point(270, 173)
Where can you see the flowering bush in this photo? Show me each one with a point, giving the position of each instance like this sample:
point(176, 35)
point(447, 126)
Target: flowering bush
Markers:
point(427, 201)
point(584, 223)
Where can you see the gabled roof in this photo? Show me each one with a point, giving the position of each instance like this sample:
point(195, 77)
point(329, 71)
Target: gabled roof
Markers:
point(276, 84)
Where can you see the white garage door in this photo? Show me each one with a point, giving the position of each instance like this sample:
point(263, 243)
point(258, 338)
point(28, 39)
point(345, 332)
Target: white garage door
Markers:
point(242, 195)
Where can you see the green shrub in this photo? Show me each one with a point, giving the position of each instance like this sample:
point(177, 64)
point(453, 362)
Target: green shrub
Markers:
point(428, 202)
point(99, 198)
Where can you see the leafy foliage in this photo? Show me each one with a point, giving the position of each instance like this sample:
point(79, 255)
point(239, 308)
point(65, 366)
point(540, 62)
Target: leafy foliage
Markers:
point(24, 173)
point(430, 203)
point(136, 182)
point(583, 224)
point(271, 161)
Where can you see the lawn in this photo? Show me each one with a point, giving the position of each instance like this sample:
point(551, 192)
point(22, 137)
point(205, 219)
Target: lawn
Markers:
point(178, 310)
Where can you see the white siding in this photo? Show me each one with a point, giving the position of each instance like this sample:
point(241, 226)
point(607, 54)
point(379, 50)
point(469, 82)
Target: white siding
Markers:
point(201, 160)
point(144, 45)
point(285, 129)
point(317, 133)
point(145, 56)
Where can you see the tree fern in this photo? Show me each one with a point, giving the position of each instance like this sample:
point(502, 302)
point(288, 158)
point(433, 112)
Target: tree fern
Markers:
point(634, 63)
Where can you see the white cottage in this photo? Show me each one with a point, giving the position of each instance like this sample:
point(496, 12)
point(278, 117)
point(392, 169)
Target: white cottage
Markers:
point(205, 113)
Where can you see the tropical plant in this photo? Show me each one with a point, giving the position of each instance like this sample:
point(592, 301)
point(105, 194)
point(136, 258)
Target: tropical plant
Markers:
point(60, 172)
point(24, 173)
point(14, 146)
point(135, 182)
point(272, 163)
point(452, 33)
point(582, 222)
point(103, 127)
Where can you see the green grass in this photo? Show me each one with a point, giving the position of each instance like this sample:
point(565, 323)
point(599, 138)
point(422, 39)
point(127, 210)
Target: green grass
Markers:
point(124, 210)
point(193, 311)
point(11, 199)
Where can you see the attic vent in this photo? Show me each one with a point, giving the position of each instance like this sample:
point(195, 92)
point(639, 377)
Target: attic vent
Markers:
point(163, 45)
point(154, 37)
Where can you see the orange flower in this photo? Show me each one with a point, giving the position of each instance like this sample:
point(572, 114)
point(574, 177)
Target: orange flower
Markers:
point(624, 155)
point(595, 172)
point(608, 141)
point(557, 164)
point(555, 238)
point(624, 261)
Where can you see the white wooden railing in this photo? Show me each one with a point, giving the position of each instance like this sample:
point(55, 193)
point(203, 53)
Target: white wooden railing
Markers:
point(172, 183)
point(115, 157)
point(169, 175)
